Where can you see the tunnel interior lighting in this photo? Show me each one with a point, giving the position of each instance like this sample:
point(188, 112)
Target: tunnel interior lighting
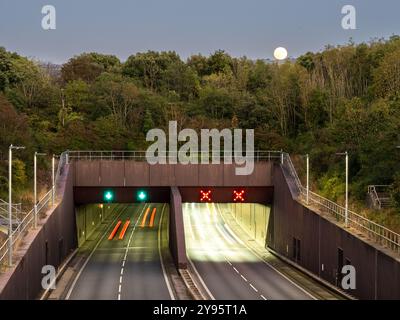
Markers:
point(108, 196)
point(141, 195)
point(205, 195)
point(238, 196)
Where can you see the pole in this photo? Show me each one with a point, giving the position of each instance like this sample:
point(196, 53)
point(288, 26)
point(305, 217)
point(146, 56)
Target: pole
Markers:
point(53, 161)
point(346, 215)
point(308, 177)
point(35, 188)
point(9, 206)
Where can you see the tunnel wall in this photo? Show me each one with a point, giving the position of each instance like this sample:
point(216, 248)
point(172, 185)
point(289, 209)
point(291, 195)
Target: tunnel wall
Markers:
point(253, 218)
point(377, 273)
point(176, 230)
point(50, 245)
point(89, 217)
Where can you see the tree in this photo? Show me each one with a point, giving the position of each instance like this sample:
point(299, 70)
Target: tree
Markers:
point(118, 95)
point(77, 95)
point(83, 67)
point(149, 67)
point(387, 75)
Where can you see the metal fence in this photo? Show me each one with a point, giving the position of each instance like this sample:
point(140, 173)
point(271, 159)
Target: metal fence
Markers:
point(371, 229)
point(141, 155)
point(28, 219)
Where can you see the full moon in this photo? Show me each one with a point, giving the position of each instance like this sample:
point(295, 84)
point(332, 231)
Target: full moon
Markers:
point(280, 53)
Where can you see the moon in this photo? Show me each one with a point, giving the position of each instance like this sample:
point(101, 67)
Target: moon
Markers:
point(280, 53)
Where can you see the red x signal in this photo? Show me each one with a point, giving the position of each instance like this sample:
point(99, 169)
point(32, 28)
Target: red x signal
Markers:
point(205, 196)
point(238, 196)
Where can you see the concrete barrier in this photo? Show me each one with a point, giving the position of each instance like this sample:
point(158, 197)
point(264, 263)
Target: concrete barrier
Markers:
point(176, 230)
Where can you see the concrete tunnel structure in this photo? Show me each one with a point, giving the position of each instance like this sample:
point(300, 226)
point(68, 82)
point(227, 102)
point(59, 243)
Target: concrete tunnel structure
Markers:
point(291, 225)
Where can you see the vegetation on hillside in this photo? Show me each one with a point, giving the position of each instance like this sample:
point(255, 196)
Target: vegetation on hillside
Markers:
point(344, 98)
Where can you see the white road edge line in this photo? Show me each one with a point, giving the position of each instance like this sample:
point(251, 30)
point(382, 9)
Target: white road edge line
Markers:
point(232, 233)
point(273, 268)
point(200, 279)
point(90, 255)
point(223, 234)
point(170, 291)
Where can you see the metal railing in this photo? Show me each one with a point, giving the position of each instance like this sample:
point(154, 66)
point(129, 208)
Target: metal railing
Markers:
point(375, 193)
point(15, 209)
point(27, 222)
point(371, 229)
point(141, 155)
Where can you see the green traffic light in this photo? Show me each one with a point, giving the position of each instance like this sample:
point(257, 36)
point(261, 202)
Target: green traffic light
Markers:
point(108, 196)
point(141, 195)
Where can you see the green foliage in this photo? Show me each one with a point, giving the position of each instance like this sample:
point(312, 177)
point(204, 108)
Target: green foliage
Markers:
point(332, 187)
point(395, 191)
point(20, 178)
point(344, 98)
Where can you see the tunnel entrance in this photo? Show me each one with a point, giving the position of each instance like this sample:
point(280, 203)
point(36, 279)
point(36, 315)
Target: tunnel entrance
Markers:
point(205, 221)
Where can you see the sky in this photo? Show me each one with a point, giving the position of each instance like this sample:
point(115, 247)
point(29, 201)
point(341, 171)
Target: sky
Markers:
point(251, 28)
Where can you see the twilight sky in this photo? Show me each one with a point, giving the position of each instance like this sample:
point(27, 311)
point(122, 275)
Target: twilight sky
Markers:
point(253, 28)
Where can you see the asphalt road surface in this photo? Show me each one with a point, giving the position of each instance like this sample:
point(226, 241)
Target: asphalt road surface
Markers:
point(225, 265)
point(128, 266)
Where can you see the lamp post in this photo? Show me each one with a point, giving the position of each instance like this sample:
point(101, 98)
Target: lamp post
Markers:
point(308, 178)
point(35, 183)
point(346, 206)
point(10, 231)
point(53, 175)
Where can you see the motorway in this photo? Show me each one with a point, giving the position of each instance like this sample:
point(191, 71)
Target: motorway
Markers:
point(227, 268)
point(126, 262)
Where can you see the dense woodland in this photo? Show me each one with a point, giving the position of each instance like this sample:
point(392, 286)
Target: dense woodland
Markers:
point(342, 98)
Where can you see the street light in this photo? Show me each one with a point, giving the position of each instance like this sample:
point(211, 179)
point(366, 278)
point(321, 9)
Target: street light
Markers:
point(53, 176)
point(35, 183)
point(10, 201)
point(308, 178)
point(346, 207)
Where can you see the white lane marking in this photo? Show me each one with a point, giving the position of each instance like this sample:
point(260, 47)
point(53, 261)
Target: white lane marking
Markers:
point(170, 291)
point(119, 296)
point(263, 297)
point(243, 278)
point(127, 248)
point(236, 270)
point(122, 271)
point(254, 288)
point(90, 255)
point(270, 266)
